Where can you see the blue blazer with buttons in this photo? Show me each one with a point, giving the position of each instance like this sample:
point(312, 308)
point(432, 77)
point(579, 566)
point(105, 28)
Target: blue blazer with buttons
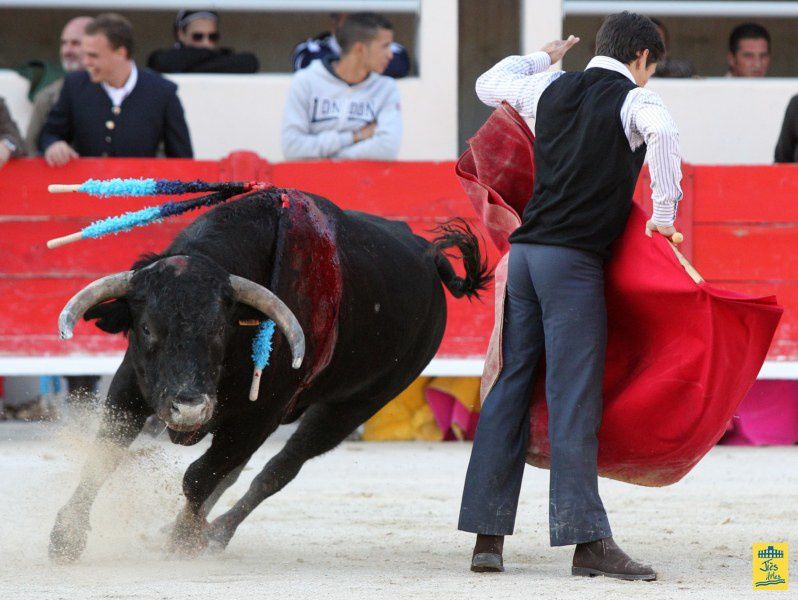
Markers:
point(152, 113)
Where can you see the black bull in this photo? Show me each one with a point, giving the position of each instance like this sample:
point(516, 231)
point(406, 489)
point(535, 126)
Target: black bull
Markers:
point(362, 293)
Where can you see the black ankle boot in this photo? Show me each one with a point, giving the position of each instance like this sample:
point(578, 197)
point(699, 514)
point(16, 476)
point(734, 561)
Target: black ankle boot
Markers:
point(487, 557)
point(604, 557)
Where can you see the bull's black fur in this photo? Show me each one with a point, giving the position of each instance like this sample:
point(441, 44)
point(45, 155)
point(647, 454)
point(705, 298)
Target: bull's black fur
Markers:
point(184, 340)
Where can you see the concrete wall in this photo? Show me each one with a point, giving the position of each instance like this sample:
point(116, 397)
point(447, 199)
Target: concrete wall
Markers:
point(727, 121)
point(721, 121)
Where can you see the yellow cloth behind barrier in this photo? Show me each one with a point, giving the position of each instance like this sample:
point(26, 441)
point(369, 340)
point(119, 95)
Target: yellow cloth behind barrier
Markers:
point(409, 417)
point(406, 417)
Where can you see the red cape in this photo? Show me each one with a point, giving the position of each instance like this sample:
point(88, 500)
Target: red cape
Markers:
point(680, 354)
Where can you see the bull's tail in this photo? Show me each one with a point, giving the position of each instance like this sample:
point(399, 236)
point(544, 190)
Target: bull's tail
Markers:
point(457, 233)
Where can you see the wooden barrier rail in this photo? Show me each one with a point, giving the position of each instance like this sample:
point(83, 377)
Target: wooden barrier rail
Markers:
point(740, 225)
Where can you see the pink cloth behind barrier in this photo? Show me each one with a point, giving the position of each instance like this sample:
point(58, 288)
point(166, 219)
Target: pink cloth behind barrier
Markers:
point(767, 416)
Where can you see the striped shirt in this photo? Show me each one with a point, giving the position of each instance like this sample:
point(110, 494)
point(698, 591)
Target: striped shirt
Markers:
point(521, 80)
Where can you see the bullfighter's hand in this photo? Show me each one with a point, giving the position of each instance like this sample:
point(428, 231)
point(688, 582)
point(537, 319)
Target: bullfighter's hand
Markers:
point(59, 153)
point(669, 232)
point(557, 49)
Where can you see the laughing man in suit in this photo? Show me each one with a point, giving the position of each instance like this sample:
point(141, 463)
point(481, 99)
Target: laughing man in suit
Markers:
point(113, 108)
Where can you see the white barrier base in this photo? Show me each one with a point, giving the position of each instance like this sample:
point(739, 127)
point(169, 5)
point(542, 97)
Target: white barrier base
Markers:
point(439, 367)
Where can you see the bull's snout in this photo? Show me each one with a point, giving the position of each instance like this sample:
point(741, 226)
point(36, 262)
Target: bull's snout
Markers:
point(189, 413)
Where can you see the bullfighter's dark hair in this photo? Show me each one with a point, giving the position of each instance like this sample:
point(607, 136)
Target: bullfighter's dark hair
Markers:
point(456, 233)
point(747, 31)
point(116, 28)
point(624, 35)
point(360, 27)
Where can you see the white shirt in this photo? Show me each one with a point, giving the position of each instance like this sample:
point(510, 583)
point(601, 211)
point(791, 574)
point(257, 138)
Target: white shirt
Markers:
point(118, 95)
point(521, 80)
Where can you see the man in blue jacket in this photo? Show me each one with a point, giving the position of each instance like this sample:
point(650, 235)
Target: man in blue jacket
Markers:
point(327, 45)
point(113, 108)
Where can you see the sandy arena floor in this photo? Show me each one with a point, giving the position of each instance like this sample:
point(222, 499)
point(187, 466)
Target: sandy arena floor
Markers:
point(373, 520)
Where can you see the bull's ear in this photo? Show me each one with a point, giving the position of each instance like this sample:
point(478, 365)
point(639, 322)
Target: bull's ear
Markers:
point(112, 317)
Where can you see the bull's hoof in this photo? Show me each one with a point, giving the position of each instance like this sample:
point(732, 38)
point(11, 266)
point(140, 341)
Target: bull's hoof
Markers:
point(188, 537)
point(68, 538)
point(218, 536)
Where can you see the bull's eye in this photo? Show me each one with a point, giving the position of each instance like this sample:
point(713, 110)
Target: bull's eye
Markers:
point(145, 331)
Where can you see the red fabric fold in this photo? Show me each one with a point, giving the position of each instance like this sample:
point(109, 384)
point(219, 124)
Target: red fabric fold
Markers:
point(680, 355)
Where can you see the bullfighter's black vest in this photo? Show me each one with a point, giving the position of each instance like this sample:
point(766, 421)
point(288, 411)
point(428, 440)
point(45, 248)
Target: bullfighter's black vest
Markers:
point(585, 171)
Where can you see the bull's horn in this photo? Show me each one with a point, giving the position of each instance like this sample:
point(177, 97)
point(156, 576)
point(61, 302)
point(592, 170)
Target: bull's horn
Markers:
point(257, 296)
point(105, 288)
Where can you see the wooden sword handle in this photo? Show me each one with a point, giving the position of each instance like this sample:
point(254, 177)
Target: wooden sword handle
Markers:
point(691, 270)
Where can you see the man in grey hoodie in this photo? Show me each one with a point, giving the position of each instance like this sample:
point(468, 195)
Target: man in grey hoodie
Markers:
point(345, 108)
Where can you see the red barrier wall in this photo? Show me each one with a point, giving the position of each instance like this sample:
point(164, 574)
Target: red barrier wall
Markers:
point(739, 225)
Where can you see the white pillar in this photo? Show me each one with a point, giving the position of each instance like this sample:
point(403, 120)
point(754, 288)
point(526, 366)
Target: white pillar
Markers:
point(541, 22)
point(429, 103)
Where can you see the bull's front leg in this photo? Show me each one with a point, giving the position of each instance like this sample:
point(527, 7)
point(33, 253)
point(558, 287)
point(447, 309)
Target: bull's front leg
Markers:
point(322, 428)
point(122, 420)
point(207, 478)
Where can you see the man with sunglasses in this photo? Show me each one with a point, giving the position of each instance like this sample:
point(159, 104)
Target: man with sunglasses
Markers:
point(196, 48)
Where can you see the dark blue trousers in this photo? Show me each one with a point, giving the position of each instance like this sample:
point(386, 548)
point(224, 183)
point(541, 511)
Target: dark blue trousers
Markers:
point(555, 301)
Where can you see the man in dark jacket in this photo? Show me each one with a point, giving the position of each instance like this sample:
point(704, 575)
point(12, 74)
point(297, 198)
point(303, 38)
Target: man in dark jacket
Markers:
point(787, 145)
point(113, 108)
point(196, 48)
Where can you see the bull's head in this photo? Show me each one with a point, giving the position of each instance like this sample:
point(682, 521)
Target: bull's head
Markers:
point(179, 313)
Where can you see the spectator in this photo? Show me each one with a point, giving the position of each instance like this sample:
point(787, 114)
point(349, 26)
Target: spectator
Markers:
point(46, 97)
point(667, 66)
point(344, 108)
point(196, 48)
point(787, 145)
point(70, 56)
point(327, 44)
point(749, 51)
point(112, 108)
point(11, 144)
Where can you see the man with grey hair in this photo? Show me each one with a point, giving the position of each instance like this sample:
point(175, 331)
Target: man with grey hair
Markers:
point(70, 61)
